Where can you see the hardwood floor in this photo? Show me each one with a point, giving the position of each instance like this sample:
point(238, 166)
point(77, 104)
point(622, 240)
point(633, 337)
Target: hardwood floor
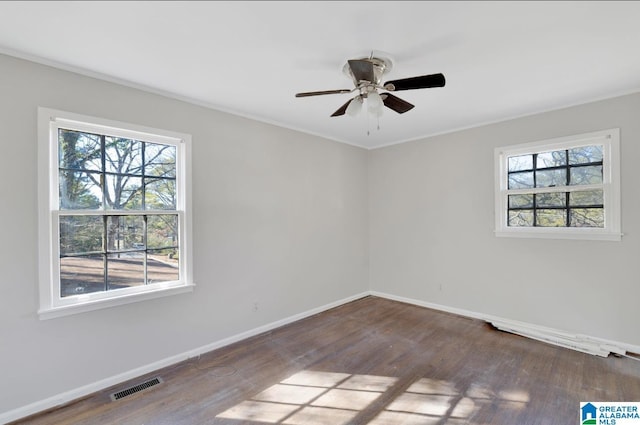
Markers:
point(372, 361)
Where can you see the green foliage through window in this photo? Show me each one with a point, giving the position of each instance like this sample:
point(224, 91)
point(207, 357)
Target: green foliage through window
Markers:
point(118, 222)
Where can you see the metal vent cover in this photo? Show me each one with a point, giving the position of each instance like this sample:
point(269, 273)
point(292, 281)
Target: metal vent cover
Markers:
point(136, 388)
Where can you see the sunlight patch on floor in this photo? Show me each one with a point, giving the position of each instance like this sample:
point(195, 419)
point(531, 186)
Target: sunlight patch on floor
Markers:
point(257, 411)
point(321, 416)
point(477, 392)
point(435, 405)
point(429, 401)
point(464, 408)
point(321, 398)
point(368, 383)
point(512, 399)
point(517, 396)
point(432, 386)
point(346, 399)
point(291, 394)
point(311, 397)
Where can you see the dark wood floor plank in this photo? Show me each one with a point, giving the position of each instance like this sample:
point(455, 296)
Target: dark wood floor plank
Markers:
point(386, 363)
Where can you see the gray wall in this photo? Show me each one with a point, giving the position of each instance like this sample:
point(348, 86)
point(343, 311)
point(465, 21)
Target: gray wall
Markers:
point(432, 221)
point(280, 218)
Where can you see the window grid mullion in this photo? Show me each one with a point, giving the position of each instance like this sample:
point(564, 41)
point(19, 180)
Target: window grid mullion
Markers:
point(144, 241)
point(103, 167)
point(105, 260)
point(144, 179)
point(144, 217)
point(105, 234)
point(567, 179)
point(535, 184)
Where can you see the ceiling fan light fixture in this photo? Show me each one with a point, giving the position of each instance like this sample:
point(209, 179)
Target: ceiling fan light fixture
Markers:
point(374, 103)
point(355, 106)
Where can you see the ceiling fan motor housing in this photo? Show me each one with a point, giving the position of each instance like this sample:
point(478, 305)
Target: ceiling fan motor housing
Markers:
point(381, 66)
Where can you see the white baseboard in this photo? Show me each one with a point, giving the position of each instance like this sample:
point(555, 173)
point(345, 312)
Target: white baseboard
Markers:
point(458, 311)
point(584, 343)
point(83, 391)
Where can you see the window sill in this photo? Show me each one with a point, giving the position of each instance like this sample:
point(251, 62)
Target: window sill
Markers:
point(551, 233)
point(67, 310)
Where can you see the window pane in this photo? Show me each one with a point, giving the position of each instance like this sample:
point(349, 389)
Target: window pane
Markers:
point(81, 275)
point(160, 160)
point(521, 218)
point(586, 175)
point(520, 201)
point(160, 194)
point(519, 163)
point(551, 159)
point(551, 178)
point(79, 190)
point(122, 156)
point(522, 180)
point(125, 232)
point(125, 270)
point(162, 231)
point(551, 218)
point(557, 199)
point(162, 265)
point(79, 151)
point(585, 198)
point(585, 154)
point(80, 234)
point(123, 192)
point(587, 217)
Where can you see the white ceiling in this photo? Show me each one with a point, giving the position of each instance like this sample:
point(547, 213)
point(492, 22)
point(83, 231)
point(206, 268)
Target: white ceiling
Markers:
point(500, 59)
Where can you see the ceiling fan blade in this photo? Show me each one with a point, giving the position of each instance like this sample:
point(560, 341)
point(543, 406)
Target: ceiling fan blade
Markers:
point(422, 82)
point(362, 70)
point(318, 93)
point(395, 103)
point(342, 109)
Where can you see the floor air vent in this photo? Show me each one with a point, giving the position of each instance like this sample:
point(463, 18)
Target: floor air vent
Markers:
point(135, 389)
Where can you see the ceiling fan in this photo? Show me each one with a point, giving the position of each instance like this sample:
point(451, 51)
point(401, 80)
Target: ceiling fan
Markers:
point(366, 74)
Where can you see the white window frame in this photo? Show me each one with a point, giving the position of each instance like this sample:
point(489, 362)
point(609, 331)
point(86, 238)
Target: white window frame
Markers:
point(610, 140)
point(51, 303)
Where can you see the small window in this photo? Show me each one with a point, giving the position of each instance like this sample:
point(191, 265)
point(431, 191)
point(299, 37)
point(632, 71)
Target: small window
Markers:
point(115, 216)
point(562, 188)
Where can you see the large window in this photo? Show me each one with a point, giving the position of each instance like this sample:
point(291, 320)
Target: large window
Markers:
point(114, 224)
point(560, 188)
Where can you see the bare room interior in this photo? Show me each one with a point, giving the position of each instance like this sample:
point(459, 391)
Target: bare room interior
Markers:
point(319, 212)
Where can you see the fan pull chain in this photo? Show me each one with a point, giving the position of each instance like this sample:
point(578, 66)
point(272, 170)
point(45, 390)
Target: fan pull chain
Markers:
point(369, 124)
